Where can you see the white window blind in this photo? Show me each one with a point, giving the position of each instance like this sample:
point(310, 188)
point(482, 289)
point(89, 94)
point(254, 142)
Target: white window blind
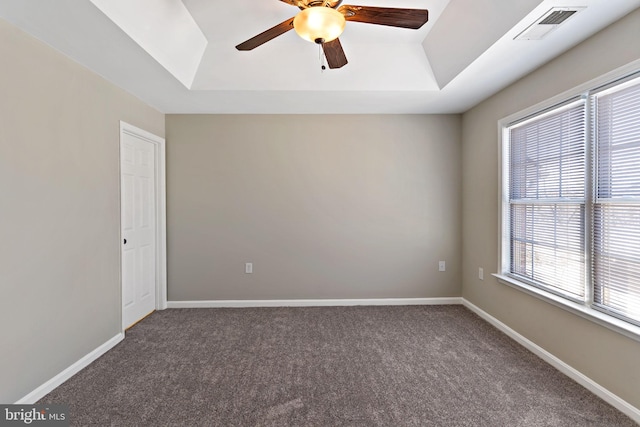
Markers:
point(616, 209)
point(571, 204)
point(547, 156)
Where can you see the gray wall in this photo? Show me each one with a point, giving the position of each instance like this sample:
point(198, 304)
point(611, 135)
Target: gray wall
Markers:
point(324, 206)
point(605, 356)
point(59, 204)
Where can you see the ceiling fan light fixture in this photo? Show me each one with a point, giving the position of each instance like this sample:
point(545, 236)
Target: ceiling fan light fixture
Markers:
point(319, 24)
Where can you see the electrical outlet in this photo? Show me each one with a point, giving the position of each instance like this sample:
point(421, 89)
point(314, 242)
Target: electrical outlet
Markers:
point(481, 273)
point(248, 268)
point(441, 266)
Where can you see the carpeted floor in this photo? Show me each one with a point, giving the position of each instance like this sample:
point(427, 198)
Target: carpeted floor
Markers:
point(325, 366)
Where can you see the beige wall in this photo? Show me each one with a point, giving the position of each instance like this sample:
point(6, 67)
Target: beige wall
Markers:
point(605, 356)
point(324, 206)
point(59, 204)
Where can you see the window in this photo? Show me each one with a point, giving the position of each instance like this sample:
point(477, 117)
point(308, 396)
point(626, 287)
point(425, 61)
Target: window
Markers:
point(616, 208)
point(571, 200)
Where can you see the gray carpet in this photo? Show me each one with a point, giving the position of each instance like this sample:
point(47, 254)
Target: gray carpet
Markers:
point(325, 366)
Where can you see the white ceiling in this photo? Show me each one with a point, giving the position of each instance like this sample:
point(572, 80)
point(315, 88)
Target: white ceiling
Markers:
point(180, 56)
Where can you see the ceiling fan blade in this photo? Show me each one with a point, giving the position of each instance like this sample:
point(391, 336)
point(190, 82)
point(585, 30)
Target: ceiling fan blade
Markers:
point(265, 36)
point(391, 16)
point(334, 54)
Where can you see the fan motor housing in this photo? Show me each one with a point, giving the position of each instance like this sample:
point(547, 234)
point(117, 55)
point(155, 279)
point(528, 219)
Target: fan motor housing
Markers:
point(304, 4)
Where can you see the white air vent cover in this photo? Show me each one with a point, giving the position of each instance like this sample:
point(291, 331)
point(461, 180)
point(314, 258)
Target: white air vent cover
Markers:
point(547, 23)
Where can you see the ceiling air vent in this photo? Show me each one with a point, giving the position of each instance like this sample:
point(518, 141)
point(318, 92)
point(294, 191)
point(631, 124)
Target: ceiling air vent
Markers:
point(547, 23)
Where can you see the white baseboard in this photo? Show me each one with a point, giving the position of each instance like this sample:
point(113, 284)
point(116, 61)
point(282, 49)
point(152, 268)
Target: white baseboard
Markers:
point(63, 376)
point(606, 395)
point(313, 302)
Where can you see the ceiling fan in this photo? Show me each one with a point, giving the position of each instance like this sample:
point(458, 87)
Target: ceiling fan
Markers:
point(322, 22)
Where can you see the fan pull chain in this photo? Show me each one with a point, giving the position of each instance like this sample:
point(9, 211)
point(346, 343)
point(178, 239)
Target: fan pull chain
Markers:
point(321, 57)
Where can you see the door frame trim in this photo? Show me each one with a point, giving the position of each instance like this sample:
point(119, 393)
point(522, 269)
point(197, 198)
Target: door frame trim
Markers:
point(160, 212)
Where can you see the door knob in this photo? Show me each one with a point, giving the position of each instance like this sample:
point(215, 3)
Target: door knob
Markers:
point(125, 241)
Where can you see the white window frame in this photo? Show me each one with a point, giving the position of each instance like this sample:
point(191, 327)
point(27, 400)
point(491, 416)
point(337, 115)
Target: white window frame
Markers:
point(579, 308)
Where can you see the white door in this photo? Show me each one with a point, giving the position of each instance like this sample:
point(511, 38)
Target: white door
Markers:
point(138, 189)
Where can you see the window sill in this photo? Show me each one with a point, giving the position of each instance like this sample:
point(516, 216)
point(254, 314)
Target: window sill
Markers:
point(620, 326)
